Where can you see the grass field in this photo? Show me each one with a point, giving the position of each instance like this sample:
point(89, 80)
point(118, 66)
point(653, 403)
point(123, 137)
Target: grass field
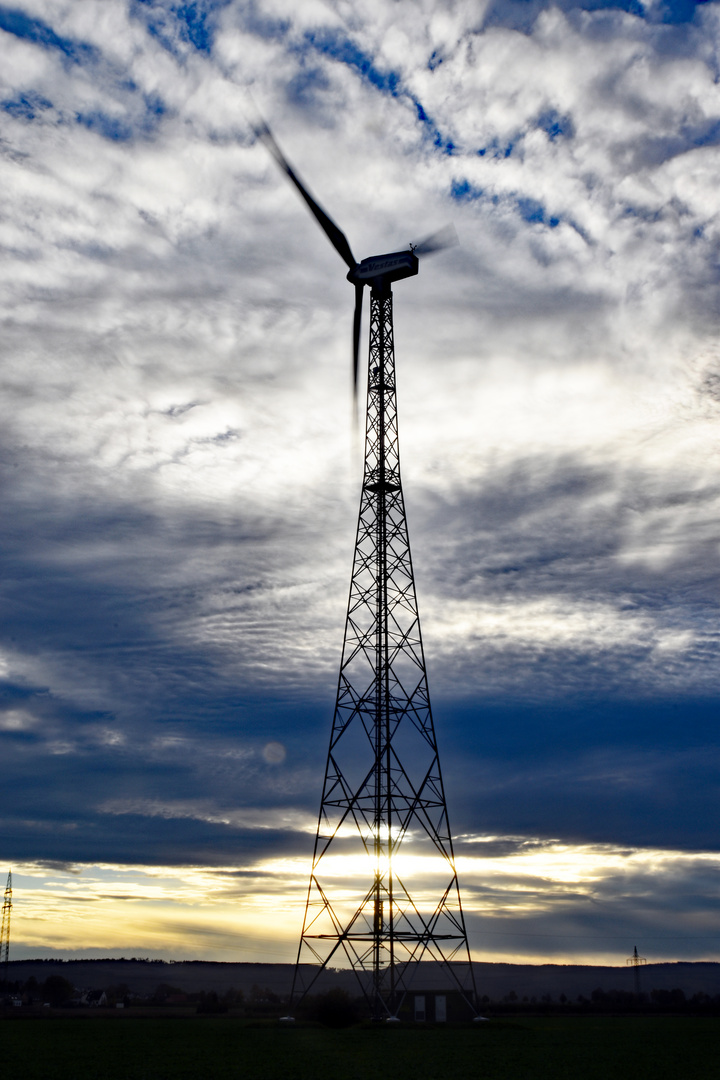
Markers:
point(199, 1048)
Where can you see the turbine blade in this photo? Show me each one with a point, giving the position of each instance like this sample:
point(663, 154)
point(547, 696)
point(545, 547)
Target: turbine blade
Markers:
point(438, 241)
point(334, 235)
point(357, 321)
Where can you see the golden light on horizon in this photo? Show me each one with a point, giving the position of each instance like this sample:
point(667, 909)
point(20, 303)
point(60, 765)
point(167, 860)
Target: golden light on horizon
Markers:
point(254, 912)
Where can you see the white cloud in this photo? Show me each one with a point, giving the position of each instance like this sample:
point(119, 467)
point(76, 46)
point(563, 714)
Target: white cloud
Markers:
point(17, 720)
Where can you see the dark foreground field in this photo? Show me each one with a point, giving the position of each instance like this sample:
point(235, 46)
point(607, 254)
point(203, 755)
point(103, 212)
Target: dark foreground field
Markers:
point(577, 1048)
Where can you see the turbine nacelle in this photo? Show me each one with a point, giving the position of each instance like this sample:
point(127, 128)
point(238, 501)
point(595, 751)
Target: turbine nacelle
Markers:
point(379, 271)
point(392, 267)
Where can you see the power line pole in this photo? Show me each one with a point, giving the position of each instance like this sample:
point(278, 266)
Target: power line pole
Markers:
point(5, 930)
point(636, 963)
point(383, 817)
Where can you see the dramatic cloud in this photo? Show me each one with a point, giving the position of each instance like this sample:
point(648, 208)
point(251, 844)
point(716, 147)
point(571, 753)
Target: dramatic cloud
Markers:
point(180, 474)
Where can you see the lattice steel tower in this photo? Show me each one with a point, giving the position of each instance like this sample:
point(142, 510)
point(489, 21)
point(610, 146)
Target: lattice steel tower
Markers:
point(636, 962)
point(383, 892)
point(5, 929)
point(383, 802)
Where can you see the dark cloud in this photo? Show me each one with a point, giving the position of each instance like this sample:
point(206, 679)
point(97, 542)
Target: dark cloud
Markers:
point(613, 773)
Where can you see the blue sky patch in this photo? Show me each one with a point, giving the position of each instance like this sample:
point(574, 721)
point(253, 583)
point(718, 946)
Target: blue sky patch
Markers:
point(35, 30)
point(192, 23)
point(463, 191)
point(521, 15)
point(446, 145)
point(495, 150)
point(154, 105)
point(26, 106)
point(632, 7)
point(345, 51)
point(554, 125)
point(110, 127)
point(340, 48)
point(530, 210)
point(707, 136)
point(534, 213)
point(676, 12)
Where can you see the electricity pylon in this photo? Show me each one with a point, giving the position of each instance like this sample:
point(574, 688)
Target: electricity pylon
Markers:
point(636, 963)
point(5, 929)
point(383, 892)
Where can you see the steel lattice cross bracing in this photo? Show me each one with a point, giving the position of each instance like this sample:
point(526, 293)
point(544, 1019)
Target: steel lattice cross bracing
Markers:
point(383, 891)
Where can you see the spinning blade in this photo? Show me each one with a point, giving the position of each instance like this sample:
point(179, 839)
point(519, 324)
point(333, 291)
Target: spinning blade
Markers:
point(334, 235)
point(437, 241)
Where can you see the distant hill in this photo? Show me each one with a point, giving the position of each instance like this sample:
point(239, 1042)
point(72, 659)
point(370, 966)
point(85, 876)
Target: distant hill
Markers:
point(495, 980)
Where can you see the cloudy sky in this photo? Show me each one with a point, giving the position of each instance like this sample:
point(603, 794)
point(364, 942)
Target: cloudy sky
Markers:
point(180, 478)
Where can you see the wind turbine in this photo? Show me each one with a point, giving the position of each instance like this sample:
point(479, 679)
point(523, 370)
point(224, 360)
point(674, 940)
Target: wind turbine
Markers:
point(383, 797)
point(378, 271)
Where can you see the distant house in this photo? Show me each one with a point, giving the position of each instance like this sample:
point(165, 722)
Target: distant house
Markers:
point(94, 998)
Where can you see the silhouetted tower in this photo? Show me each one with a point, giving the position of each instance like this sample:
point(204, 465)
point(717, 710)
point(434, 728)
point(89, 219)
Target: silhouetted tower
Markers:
point(383, 892)
point(636, 962)
point(5, 930)
point(383, 802)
